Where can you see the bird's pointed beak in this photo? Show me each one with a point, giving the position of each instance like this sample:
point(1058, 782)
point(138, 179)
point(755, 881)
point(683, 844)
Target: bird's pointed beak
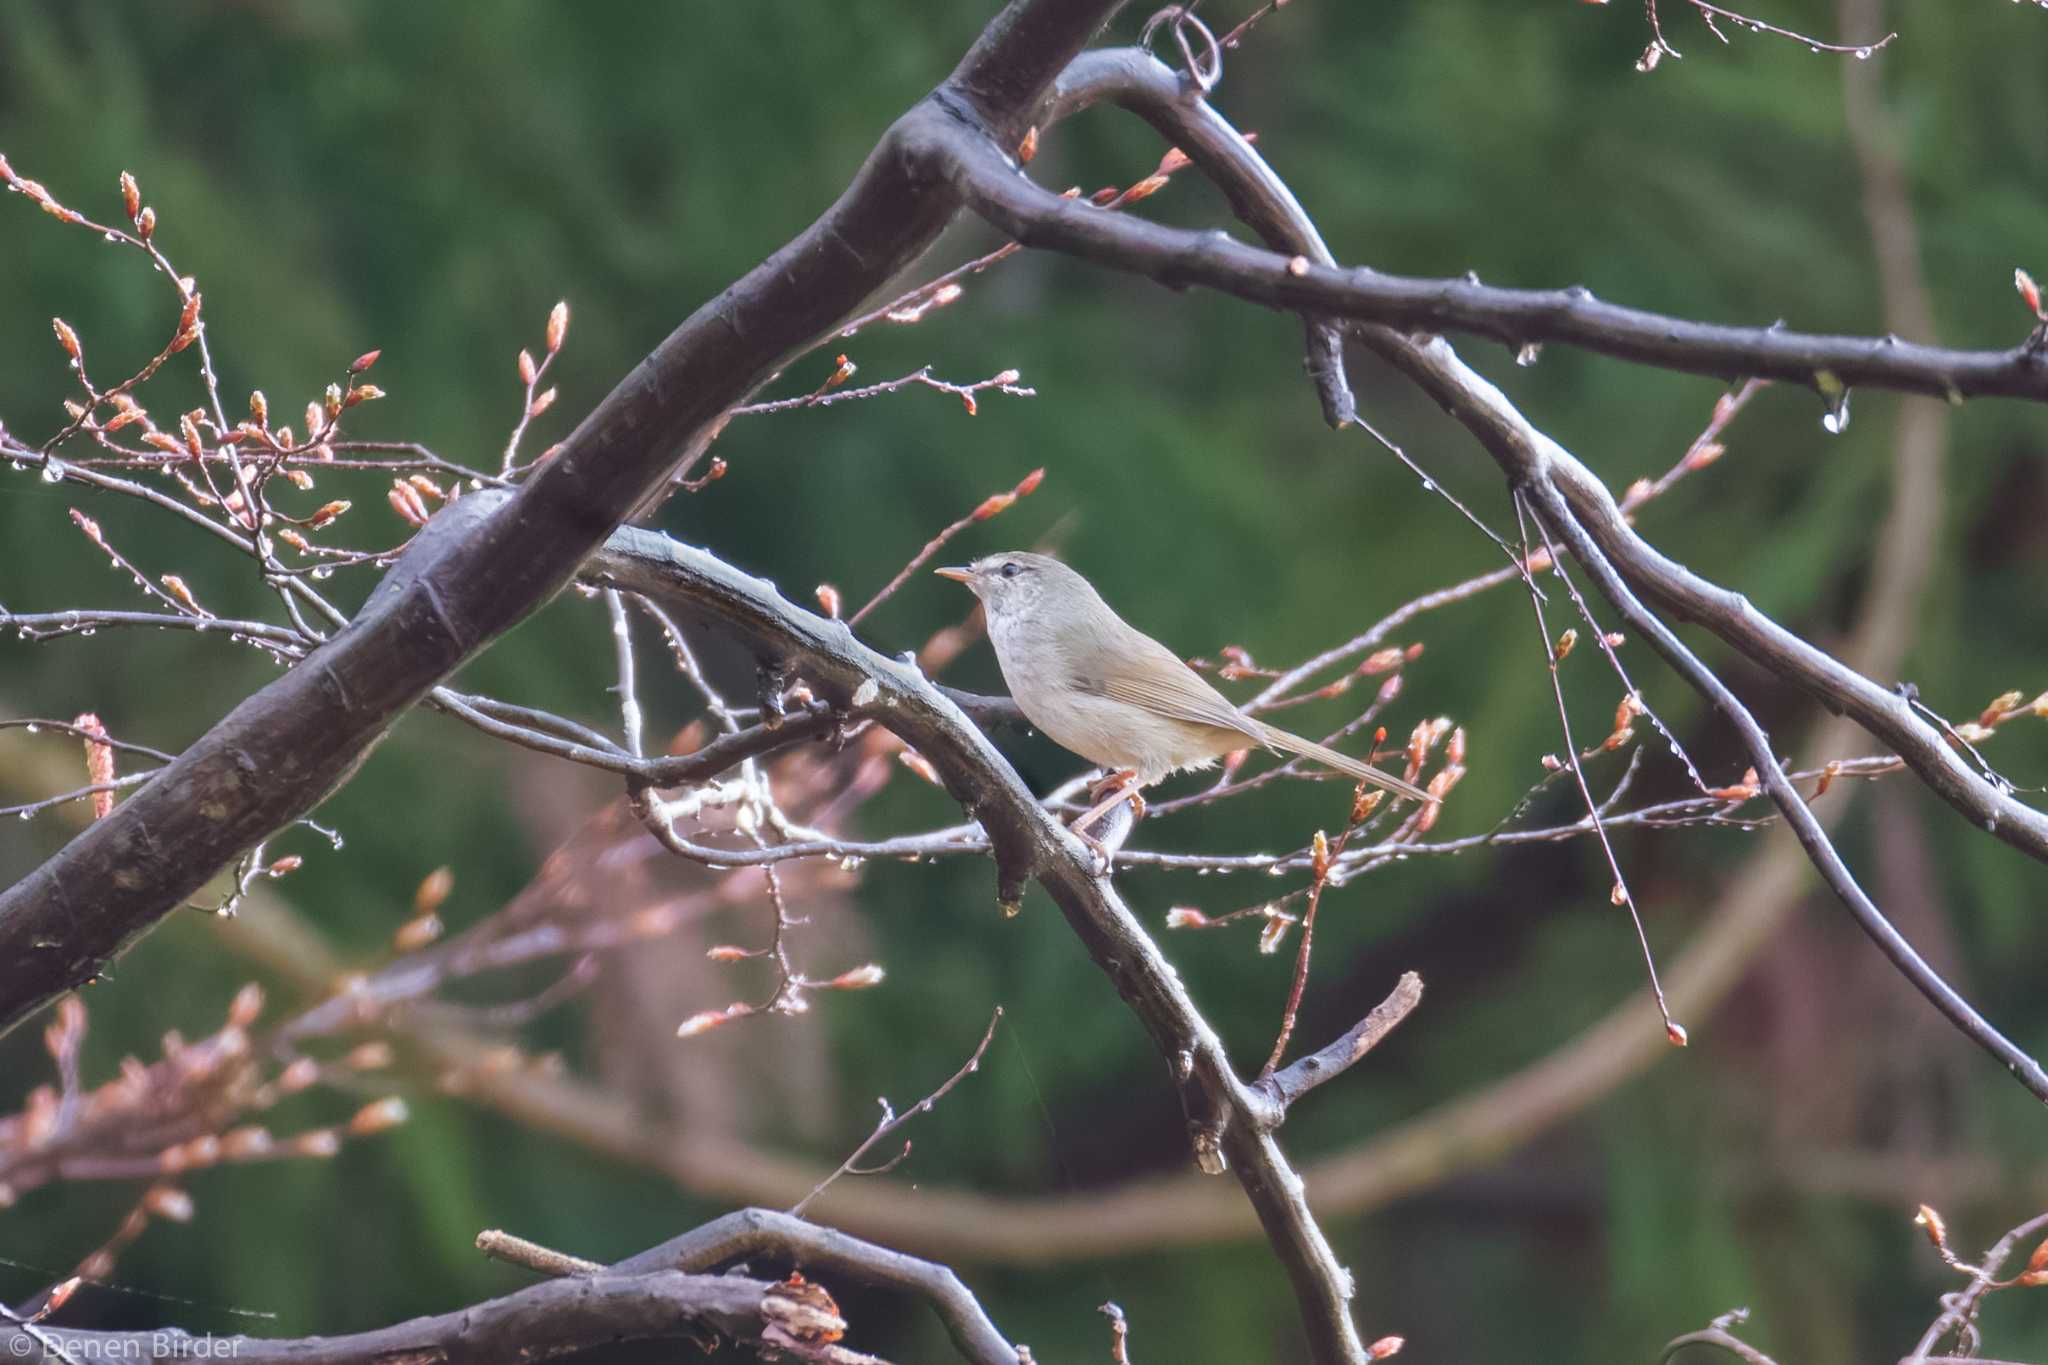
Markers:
point(957, 574)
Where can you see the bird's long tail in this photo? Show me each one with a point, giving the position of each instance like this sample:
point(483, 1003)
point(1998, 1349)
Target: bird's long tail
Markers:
point(1350, 767)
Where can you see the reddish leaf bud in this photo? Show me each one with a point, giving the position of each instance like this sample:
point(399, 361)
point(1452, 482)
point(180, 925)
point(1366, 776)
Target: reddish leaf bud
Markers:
point(2030, 293)
point(1827, 778)
point(919, 764)
point(321, 1142)
point(377, 1116)
point(145, 224)
point(1028, 148)
point(1675, 1034)
point(1275, 932)
point(416, 933)
point(828, 599)
point(541, 404)
point(859, 979)
point(1387, 1346)
point(1148, 187)
point(727, 952)
point(364, 361)
point(405, 501)
point(60, 1294)
point(432, 890)
point(90, 527)
point(131, 195)
point(99, 755)
point(702, 1022)
point(66, 338)
point(558, 325)
point(1186, 917)
point(527, 369)
point(368, 1057)
point(1704, 454)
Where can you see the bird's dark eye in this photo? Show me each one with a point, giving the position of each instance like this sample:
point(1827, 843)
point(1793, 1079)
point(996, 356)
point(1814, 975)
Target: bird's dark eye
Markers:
point(1009, 570)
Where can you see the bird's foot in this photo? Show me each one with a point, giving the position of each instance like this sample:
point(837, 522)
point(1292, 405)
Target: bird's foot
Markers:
point(1114, 791)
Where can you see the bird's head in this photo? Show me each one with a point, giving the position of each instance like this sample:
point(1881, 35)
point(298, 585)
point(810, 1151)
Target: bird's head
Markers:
point(1018, 583)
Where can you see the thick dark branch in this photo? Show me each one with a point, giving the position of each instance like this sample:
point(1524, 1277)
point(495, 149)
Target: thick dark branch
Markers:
point(1518, 317)
point(284, 749)
point(539, 1323)
point(756, 1234)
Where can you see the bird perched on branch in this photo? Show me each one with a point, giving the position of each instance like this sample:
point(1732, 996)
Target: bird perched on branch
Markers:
point(1100, 687)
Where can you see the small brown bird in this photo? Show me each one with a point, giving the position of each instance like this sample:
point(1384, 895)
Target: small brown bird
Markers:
point(1112, 694)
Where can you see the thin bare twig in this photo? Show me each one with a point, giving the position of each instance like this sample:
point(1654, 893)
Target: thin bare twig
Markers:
point(891, 1121)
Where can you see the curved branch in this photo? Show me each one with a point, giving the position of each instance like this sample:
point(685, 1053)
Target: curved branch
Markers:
point(1517, 317)
point(538, 1323)
point(752, 1233)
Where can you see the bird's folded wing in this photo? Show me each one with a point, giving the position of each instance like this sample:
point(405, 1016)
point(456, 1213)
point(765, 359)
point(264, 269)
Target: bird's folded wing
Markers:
point(1179, 693)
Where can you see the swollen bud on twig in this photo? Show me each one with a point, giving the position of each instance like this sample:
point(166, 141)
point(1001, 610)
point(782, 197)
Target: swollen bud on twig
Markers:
point(2030, 293)
point(702, 1022)
point(377, 1116)
point(417, 933)
point(859, 979)
point(99, 765)
point(558, 325)
point(432, 890)
point(131, 196)
point(1274, 932)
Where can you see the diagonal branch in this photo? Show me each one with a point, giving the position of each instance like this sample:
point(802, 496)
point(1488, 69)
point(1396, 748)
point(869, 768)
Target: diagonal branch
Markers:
point(1229, 1122)
point(1554, 511)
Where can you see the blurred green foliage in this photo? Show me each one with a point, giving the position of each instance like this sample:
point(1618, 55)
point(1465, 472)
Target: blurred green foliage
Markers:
point(430, 178)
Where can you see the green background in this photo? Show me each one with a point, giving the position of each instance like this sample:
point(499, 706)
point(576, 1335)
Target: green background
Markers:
point(431, 178)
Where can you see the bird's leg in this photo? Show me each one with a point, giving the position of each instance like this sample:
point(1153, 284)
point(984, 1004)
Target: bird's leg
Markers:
point(1112, 792)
